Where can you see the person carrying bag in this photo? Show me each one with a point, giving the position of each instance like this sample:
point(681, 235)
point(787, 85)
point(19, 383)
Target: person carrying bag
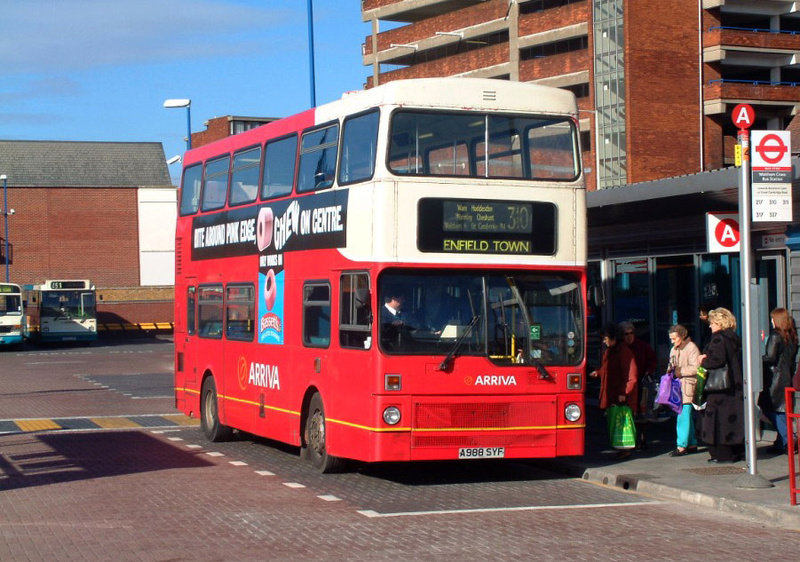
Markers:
point(722, 427)
point(685, 358)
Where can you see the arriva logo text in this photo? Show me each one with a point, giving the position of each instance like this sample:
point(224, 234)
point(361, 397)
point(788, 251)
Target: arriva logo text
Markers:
point(265, 376)
point(495, 380)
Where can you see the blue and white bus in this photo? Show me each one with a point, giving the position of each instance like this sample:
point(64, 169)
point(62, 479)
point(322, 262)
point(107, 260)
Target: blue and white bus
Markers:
point(12, 314)
point(62, 310)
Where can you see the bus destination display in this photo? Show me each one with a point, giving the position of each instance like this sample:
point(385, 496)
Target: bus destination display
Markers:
point(486, 227)
point(487, 217)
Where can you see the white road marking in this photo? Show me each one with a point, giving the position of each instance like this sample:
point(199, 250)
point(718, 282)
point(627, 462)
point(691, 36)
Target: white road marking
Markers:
point(371, 513)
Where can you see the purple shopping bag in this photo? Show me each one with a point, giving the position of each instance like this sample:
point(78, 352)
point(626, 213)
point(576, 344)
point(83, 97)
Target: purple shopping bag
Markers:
point(669, 393)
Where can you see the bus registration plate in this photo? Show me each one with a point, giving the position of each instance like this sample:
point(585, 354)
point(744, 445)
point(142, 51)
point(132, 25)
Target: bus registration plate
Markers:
point(481, 453)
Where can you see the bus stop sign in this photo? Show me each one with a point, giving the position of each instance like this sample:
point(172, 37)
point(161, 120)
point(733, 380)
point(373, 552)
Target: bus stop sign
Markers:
point(743, 116)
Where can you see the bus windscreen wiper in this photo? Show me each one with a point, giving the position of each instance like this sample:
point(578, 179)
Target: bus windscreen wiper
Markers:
point(443, 366)
point(527, 356)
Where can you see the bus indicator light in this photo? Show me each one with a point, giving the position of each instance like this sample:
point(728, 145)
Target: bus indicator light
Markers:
point(574, 381)
point(393, 382)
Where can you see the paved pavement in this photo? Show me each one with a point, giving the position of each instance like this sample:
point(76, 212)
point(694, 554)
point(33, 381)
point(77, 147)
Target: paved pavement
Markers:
point(691, 478)
point(31, 394)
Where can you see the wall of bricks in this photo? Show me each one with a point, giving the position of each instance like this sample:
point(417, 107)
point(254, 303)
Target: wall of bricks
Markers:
point(74, 233)
point(457, 19)
point(464, 62)
point(554, 65)
point(216, 129)
point(662, 90)
point(84, 233)
point(555, 18)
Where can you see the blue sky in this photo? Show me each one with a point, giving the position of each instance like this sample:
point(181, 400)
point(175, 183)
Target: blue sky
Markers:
point(100, 70)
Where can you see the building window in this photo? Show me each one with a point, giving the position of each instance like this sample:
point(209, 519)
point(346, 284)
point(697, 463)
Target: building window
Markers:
point(317, 314)
point(355, 318)
point(240, 312)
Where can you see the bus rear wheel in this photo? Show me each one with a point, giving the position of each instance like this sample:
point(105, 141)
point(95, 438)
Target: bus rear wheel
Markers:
point(315, 445)
point(209, 414)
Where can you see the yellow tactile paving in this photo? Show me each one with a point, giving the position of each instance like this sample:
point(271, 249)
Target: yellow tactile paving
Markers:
point(36, 425)
point(114, 423)
point(180, 419)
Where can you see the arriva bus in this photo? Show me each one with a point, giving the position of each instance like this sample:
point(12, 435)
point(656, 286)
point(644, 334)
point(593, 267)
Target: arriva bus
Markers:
point(12, 315)
point(457, 203)
point(62, 310)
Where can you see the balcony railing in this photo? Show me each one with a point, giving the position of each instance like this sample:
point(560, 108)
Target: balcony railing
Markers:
point(752, 29)
point(753, 82)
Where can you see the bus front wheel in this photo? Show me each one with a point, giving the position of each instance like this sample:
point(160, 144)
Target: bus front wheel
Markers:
point(315, 447)
point(209, 414)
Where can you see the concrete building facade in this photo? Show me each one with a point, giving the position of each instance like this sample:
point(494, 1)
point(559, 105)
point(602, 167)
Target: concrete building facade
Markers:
point(656, 84)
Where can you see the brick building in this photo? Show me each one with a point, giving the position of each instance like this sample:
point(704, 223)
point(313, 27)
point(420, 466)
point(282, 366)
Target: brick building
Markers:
point(103, 211)
point(656, 83)
point(220, 127)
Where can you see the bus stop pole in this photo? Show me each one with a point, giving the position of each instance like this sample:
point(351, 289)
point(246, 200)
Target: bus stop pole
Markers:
point(751, 479)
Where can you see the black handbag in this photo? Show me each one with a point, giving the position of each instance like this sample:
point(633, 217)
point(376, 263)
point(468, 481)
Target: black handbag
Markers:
point(718, 380)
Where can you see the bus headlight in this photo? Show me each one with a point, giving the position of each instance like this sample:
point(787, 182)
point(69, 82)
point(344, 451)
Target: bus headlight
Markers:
point(572, 412)
point(391, 415)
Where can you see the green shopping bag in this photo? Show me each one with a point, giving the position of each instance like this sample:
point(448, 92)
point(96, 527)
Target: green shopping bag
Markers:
point(700, 386)
point(620, 427)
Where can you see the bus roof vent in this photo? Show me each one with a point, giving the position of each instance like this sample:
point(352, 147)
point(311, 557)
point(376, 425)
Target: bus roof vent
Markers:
point(490, 95)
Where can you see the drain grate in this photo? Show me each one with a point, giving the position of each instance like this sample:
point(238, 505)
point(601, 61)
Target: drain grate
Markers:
point(715, 470)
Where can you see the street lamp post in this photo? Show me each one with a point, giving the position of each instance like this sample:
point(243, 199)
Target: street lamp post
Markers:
point(173, 103)
point(6, 212)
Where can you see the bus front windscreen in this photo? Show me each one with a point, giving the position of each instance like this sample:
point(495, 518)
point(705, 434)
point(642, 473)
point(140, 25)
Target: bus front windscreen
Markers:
point(478, 145)
point(512, 318)
point(68, 304)
point(10, 305)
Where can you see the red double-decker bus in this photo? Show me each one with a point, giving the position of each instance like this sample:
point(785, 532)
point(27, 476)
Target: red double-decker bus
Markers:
point(398, 275)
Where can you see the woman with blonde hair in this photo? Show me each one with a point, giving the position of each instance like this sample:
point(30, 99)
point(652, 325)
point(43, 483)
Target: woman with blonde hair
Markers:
point(723, 419)
point(778, 367)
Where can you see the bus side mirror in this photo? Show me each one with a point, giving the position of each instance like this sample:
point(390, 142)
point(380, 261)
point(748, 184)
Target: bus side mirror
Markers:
point(362, 298)
point(597, 296)
point(364, 312)
point(320, 182)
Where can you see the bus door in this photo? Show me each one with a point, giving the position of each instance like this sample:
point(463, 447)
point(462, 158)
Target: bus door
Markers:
point(186, 337)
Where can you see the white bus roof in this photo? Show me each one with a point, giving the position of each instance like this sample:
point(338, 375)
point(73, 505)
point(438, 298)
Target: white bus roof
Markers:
point(457, 93)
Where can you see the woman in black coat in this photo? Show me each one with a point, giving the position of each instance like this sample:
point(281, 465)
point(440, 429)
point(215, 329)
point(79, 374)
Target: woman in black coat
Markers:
point(778, 368)
point(723, 419)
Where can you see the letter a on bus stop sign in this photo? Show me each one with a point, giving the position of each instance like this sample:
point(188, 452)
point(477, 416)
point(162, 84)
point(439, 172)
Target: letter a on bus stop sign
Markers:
point(743, 116)
point(722, 231)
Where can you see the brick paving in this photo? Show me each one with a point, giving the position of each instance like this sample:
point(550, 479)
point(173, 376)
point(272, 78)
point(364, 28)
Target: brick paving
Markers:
point(152, 494)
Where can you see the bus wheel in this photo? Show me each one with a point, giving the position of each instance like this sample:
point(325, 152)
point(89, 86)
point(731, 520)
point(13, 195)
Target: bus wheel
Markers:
point(314, 440)
point(209, 414)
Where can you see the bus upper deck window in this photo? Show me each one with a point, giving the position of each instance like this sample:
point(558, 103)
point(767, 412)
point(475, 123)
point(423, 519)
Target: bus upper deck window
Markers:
point(215, 184)
point(279, 164)
point(244, 177)
point(190, 189)
point(359, 145)
point(318, 159)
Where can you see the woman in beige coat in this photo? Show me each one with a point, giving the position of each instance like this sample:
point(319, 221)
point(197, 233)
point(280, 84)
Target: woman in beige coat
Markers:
point(684, 358)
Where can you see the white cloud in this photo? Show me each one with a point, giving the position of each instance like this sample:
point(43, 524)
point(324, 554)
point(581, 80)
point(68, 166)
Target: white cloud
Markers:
point(60, 36)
